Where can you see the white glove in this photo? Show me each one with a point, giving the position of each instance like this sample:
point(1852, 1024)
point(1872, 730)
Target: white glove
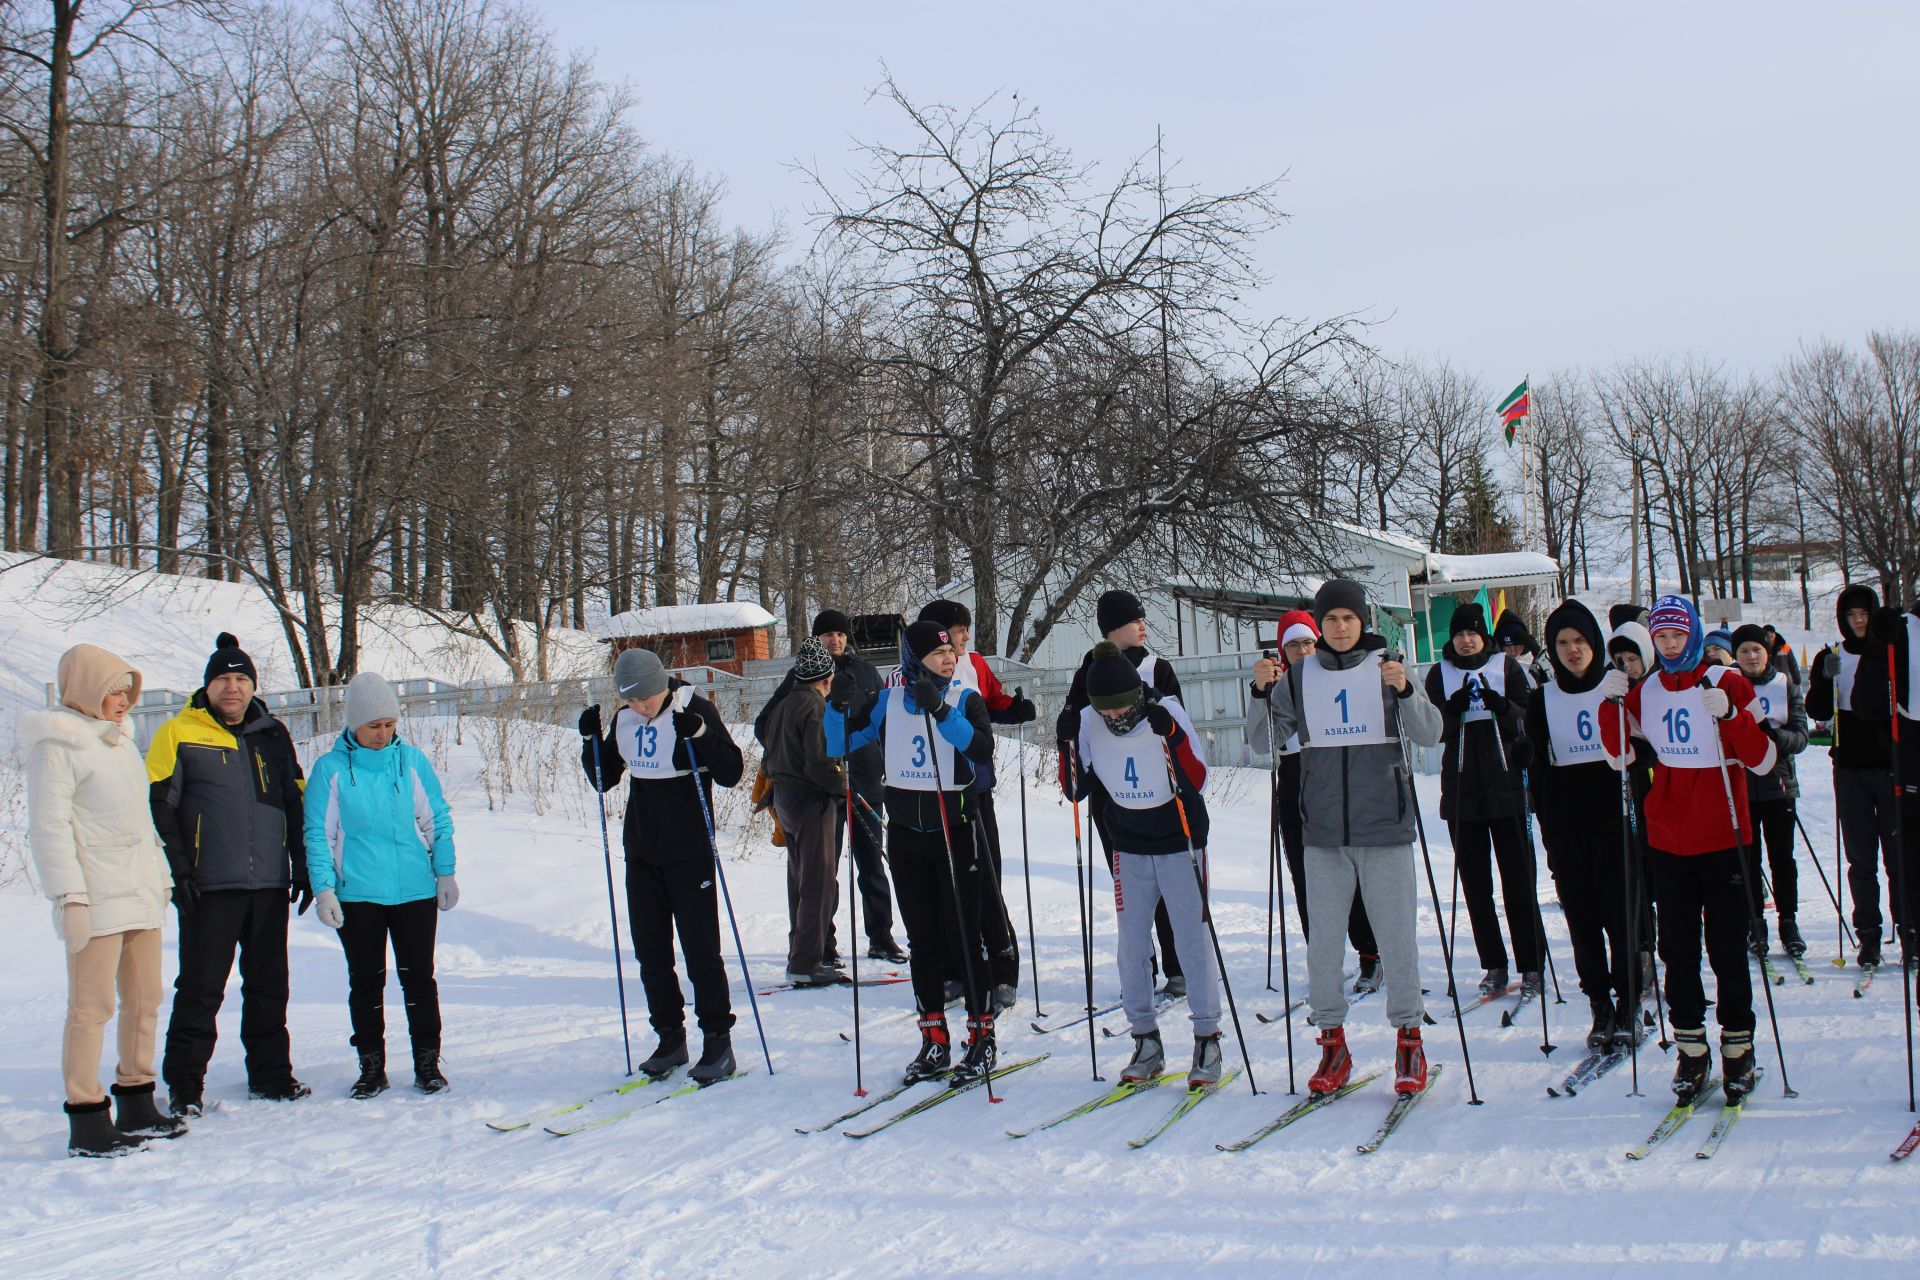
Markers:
point(447, 893)
point(76, 926)
point(326, 909)
point(1716, 702)
point(1614, 685)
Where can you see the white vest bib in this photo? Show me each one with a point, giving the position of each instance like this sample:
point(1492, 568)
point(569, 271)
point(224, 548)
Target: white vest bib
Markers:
point(1344, 708)
point(1493, 676)
point(1677, 725)
point(648, 746)
point(1132, 767)
point(1770, 700)
point(1573, 724)
point(1843, 683)
point(913, 752)
point(1909, 697)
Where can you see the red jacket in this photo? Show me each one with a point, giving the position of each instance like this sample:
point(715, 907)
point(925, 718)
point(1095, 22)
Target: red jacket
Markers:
point(1687, 808)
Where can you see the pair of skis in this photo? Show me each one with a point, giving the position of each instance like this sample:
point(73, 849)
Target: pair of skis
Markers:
point(568, 1118)
point(927, 1103)
point(1161, 1002)
point(880, 980)
point(1674, 1120)
point(1402, 1104)
point(1192, 1098)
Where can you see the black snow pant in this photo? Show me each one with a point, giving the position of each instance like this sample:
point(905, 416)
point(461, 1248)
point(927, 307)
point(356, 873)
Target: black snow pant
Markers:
point(1589, 877)
point(1863, 799)
point(996, 926)
point(1775, 819)
point(943, 934)
point(1169, 960)
point(255, 922)
point(869, 867)
point(1506, 840)
point(1692, 893)
point(1293, 842)
point(410, 927)
point(682, 897)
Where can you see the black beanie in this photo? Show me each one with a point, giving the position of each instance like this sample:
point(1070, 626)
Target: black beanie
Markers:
point(948, 613)
point(1113, 683)
point(228, 657)
point(1620, 613)
point(1750, 632)
point(1116, 609)
point(832, 620)
point(1470, 617)
point(923, 637)
point(1341, 593)
point(1511, 629)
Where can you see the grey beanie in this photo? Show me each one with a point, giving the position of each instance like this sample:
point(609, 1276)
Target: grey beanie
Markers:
point(637, 673)
point(370, 698)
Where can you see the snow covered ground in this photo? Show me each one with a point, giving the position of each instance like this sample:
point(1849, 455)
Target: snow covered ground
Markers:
point(719, 1183)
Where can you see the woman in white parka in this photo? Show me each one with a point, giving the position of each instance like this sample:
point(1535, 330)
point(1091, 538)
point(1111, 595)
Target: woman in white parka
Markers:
point(100, 861)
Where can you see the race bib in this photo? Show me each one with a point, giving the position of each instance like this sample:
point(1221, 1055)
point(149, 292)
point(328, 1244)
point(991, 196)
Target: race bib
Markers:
point(1573, 725)
point(1343, 708)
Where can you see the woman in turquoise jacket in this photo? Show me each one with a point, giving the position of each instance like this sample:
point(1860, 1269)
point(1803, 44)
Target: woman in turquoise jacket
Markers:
point(380, 852)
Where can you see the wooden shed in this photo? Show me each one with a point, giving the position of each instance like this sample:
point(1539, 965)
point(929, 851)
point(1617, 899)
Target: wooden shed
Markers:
point(725, 635)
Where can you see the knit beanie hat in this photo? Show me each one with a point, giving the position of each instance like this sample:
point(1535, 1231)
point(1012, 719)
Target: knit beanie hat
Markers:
point(948, 613)
point(923, 637)
point(370, 698)
point(1511, 629)
point(831, 620)
point(1116, 609)
point(1341, 593)
point(1749, 633)
point(1470, 617)
point(88, 673)
point(812, 663)
point(1113, 683)
point(229, 659)
point(1620, 613)
point(638, 673)
point(1295, 624)
point(1676, 613)
point(1720, 637)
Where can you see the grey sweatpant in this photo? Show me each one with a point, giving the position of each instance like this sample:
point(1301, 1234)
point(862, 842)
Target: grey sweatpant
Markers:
point(1141, 881)
point(1385, 878)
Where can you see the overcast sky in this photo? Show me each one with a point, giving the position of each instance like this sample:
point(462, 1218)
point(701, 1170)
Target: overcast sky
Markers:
point(1518, 187)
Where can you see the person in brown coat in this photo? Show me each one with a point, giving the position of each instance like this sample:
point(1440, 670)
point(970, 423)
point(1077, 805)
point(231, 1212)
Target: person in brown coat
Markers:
point(101, 863)
point(807, 784)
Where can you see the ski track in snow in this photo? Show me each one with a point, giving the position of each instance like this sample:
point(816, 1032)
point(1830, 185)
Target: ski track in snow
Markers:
point(718, 1183)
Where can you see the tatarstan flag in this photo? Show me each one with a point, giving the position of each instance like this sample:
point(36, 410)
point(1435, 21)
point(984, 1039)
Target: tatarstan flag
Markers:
point(1515, 407)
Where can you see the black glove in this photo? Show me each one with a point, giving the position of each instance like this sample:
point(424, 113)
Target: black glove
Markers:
point(1494, 701)
point(1021, 709)
point(1160, 720)
point(1461, 699)
point(186, 894)
point(1066, 728)
point(928, 699)
point(303, 895)
point(688, 724)
point(590, 722)
point(1519, 752)
point(1830, 664)
point(1887, 626)
point(840, 692)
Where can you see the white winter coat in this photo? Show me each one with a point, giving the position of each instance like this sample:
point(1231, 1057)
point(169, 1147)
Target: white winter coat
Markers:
point(89, 823)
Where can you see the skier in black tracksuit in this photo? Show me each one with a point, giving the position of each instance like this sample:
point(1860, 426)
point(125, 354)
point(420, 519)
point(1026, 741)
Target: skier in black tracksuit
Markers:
point(1630, 648)
point(1123, 620)
point(1782, 714)
point(1482, 695)
point(657, 735)
point(1862, 759)
point(1576, 794)
point(1900, 631)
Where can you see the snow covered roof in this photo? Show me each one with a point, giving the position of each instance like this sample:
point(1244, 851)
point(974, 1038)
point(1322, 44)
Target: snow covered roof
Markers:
point(1496, 566)
point(684, 619)
point(1400, 542)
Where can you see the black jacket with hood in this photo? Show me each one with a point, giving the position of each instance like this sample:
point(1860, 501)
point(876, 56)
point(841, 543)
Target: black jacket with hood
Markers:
point(664, 822)
point(1482, 790)
point(1571, 799)
point(1859, 742)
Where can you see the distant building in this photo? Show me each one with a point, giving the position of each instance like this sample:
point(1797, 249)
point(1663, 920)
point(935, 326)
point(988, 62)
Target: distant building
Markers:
point(725, 635)
point(1773, 562)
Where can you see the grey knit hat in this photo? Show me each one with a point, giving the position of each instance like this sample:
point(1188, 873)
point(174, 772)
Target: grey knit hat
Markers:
point(370, 698)
point(637, 673)
point(812, 663)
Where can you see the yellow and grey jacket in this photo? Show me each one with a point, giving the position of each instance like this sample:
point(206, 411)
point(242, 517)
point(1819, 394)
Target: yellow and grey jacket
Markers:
point(226, 802)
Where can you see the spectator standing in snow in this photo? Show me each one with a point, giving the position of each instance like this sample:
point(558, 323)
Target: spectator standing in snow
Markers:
point(808, 785)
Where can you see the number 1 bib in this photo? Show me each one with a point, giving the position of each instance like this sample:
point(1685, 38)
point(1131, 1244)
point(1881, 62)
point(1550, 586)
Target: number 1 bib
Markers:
point(1343, 708)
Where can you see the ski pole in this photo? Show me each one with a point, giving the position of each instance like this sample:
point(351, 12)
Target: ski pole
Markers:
point(1279, 893)
point(853, 934)
point(720, 873)
point(1906, 925)
point(1533, 885)
point(1026, 868)
point(1629, 900)
point(1733, 816)
point(613, 910)
point(1813, 851)
point(1206, 912)
point(970, 946)
point(1081, 893)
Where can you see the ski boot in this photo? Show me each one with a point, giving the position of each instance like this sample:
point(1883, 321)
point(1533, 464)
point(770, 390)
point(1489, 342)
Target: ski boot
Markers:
point(1601, 1037)
point(427, 1077)
point(1409, 1062)
point(1004, 997)
point(1869, 950)
point(671, 1052)
point(136, 1114)
point(981, 1053)
point(953, 992)
point(1532, 984)
point(1370, 975)
point(1626, 1025)
point(716, 1059)
point(288, 1090)
point(935, 1051)
point(887, 949)
point(1694, 1066)
point(1148, 1061)
point(1796, 946)
point(1494, 982)
point(91, 1131)
point(1736, 1065)
point(1206, 1062)
point(373, 1076)
point(1176, 987)
point(184, 1100)
point(1336, 1064)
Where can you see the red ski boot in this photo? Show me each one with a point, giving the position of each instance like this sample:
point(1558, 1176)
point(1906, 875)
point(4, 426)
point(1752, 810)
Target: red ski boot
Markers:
point(1409, 1062)
point(1336, 1064)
